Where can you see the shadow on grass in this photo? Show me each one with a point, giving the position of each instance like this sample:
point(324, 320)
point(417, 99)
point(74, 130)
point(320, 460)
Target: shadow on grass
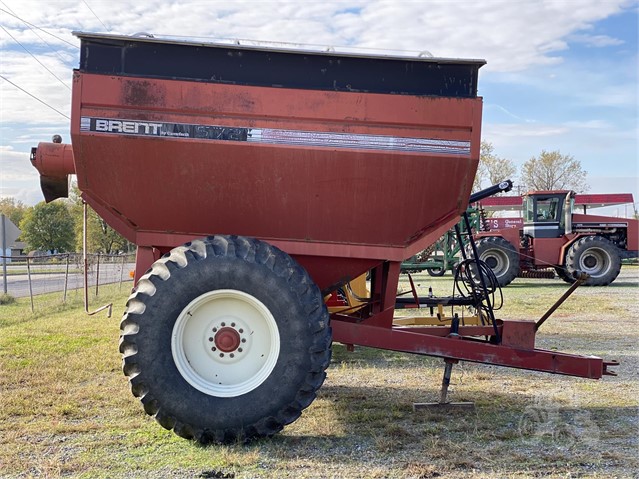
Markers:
point(516, 432)
point(380, 425)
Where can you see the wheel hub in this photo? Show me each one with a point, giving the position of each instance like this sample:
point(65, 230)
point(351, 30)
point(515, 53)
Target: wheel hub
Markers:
point(590, 261)
point(225, 343)
point(227, 339)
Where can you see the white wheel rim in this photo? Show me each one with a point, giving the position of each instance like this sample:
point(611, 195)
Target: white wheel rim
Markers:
point(225, 343)
point(500, 259)
point(596, 262)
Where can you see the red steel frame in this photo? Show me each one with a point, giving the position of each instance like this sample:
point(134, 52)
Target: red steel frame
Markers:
point(373, 327)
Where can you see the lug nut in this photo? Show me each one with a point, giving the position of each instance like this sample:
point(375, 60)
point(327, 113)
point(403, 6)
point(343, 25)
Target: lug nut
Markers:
point(221, 355)
point(243, 340)
point(232, 355)
point(211, 340)
point(239, 350)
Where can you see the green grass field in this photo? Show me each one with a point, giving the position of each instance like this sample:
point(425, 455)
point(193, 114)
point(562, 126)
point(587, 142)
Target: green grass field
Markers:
point(66, 409)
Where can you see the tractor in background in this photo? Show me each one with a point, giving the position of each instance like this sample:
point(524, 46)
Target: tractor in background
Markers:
point(554, 236)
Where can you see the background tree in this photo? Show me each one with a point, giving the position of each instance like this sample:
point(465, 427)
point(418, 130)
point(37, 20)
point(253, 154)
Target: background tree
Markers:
point(553, 171)
point(101, 238)
point(492, 168)
point(48, 227)
point(13, 209)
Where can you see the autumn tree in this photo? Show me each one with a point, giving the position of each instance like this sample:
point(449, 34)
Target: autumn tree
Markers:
point(101, 238)
point(13, 209)
point(48, 227)
point(553, 171)
point(492, 168)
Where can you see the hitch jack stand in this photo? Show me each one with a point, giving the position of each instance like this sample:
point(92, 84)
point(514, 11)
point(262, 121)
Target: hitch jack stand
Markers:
point(444, 403)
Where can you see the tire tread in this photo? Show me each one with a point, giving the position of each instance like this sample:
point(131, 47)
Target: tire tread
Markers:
point(253, 251)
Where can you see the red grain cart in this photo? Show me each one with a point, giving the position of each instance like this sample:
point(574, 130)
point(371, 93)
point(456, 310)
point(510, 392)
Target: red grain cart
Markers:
point(308, 168)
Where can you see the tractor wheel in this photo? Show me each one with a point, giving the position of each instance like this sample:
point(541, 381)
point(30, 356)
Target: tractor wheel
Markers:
point(563, 274)
point(501, 257)
point(435, 272)
point(225, 339)
point(597, 257)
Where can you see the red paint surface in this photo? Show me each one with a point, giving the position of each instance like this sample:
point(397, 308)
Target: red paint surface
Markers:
point(323, 201)
point(463, 349)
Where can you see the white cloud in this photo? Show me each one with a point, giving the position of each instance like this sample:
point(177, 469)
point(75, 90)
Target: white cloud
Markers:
point(599, 41)
point(589, 124)
point(519, 130)
point(507, 112)
point(28, 193)
point(22, 70)
point(15, 165)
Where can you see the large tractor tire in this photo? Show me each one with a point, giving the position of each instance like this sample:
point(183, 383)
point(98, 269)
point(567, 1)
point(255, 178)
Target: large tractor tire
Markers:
point(501, 257)
point(597, 257)
point(225, 339)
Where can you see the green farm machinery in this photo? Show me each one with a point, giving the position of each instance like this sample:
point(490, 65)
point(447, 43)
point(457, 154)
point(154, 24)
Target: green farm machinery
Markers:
point(444, 255)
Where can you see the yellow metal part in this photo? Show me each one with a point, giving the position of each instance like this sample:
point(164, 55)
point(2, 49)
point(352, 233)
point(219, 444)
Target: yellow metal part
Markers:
point(357, 289)
point(440, 319)
point(354, 290)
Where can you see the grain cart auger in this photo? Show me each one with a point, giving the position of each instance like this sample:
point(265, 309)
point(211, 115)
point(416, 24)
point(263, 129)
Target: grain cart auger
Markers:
point(226, 165)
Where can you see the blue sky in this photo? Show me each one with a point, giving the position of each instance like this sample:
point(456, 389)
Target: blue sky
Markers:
point(561, 75)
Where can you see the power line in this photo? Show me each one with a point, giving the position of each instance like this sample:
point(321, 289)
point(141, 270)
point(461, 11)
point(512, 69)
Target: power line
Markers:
point(91, 10)
point(34, 97)
point(41, 29)
point(38, 35)
point(35, 58)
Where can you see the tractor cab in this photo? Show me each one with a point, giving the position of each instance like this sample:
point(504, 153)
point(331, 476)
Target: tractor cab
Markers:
point(548, 214)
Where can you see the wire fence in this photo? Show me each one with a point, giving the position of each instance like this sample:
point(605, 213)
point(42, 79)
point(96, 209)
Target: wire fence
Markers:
point(58, 279)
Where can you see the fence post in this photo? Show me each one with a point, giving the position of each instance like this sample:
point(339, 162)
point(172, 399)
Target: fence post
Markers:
point(30, 287)
point(97, 274)
point(121, 272)
point(66, 281)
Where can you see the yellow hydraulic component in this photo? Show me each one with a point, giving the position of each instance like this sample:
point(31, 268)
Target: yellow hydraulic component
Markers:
point(357, 289)
point(352, 291)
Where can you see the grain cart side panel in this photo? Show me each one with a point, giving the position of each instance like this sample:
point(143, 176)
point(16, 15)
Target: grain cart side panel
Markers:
point(321, 169)
point(356, 171)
